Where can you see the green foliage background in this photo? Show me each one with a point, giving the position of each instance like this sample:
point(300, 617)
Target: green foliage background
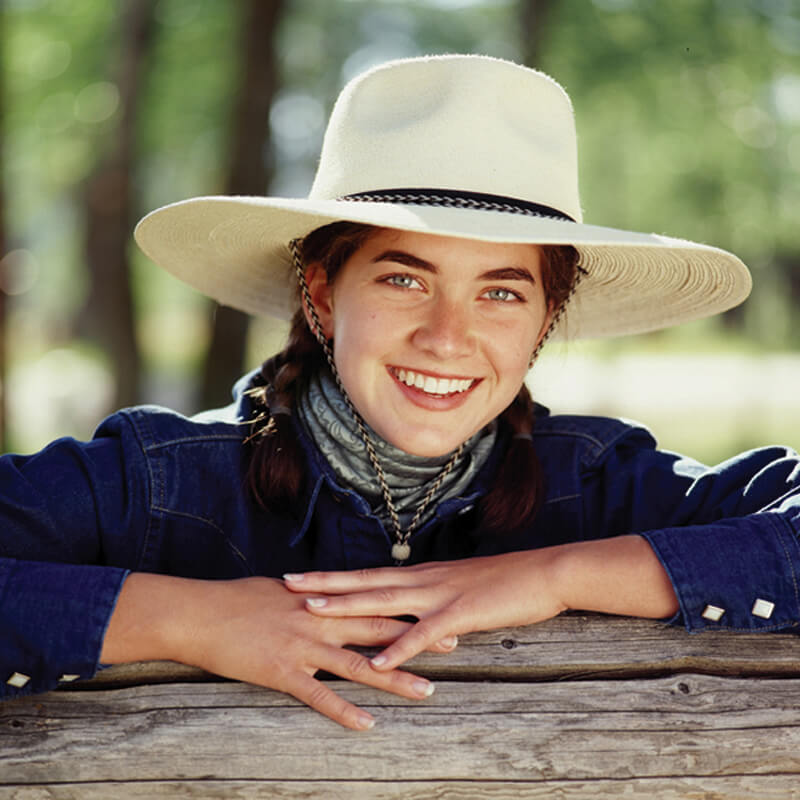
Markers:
point(688, 114)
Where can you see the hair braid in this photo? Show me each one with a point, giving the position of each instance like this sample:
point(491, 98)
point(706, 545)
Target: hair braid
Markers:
point(276, 472)
point(516, 489)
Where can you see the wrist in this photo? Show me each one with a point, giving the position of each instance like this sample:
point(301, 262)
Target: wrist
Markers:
point(621, 575)
point(150, 620)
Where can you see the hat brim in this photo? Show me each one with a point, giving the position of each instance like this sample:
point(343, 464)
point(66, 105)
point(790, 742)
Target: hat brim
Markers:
point(234, 249)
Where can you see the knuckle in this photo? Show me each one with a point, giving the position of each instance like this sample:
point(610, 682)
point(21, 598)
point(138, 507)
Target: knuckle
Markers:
point(425, 632)
point(319, 697)
point(385, 596)
point(356, 665)
point(380, 626)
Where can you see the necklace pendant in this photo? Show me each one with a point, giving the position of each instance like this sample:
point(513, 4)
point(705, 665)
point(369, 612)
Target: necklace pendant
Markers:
point(401, 551)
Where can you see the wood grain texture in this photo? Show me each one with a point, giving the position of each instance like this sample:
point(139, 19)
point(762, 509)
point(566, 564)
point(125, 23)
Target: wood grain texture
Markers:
point(690, 725)
point(569, 647)
point(733, 788)
point(584, 706)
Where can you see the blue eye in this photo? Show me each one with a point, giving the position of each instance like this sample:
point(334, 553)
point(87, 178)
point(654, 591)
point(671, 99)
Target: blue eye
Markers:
point(403, 281)
point(502, 295)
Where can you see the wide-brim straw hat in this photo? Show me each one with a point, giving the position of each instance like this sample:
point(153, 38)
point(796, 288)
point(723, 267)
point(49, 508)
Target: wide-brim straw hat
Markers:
point(460, 145)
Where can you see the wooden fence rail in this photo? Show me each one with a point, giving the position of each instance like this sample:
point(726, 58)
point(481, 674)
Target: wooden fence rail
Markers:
point(583, 706)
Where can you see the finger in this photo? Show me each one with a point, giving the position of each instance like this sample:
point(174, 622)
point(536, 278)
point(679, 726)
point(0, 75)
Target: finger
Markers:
point(348, 581)
point(356, 667)
point(371, 631)
point(391, 601)
point(445, 645)
point(422, 636)
point(318, 696)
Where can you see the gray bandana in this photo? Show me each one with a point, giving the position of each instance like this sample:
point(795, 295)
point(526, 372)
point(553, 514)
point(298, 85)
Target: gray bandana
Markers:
point(326, 418)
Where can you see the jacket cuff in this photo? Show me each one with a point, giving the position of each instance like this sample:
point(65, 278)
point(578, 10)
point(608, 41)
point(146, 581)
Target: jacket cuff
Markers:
point(738, 575)
point(54, 620)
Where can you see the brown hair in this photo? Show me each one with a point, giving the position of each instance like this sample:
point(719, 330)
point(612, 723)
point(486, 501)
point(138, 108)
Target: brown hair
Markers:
point(276, 470)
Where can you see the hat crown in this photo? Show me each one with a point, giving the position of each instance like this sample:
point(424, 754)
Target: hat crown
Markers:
point(464, 123)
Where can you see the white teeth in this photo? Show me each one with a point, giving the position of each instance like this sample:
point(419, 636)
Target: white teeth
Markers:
point(431, 385)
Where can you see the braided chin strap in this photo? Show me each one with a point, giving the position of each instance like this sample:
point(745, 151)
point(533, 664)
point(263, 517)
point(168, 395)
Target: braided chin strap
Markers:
point(579, 273)
point(401, 549)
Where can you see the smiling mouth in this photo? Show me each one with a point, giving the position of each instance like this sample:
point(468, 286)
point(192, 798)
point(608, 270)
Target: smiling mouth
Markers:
point(435, 387)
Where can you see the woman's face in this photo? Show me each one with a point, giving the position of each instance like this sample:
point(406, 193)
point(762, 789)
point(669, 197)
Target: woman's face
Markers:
point(432, 335)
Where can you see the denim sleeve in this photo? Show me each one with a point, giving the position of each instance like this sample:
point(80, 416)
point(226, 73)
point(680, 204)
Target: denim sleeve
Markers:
point(68, 522)
point(726, 535)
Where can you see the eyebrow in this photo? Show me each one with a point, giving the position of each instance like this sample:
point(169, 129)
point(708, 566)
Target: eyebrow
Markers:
point(410, 260)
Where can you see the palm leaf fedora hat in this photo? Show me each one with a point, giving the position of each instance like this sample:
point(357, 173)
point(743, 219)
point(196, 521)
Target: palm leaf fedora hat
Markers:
point(460, 145)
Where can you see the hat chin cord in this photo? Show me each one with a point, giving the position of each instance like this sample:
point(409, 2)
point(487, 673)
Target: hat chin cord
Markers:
point(401, 549)
point(559, 313)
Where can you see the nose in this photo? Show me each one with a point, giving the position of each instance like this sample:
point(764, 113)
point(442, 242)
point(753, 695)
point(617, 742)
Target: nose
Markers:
point(445, 330)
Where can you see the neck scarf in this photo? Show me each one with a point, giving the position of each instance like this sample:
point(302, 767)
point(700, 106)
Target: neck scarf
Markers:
point(327, 419)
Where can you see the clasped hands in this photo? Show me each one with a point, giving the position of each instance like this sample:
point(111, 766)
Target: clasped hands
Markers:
point(280, 633)
point(447, 599)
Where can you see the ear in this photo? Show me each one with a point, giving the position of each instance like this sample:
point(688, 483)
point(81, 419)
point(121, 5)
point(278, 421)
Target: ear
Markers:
point(321, 293)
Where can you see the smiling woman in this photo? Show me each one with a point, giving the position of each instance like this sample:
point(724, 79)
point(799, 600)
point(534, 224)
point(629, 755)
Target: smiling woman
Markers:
point(389, 464)
point(439, 318)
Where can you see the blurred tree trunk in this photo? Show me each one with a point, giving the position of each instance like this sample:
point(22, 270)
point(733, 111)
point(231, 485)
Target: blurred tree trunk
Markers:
point(248, 174)
point(109, 313)
point(533, 23)
point(3, 249)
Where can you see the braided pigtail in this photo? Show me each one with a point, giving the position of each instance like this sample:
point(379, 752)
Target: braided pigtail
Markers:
point(516, 489)
point(276, 470)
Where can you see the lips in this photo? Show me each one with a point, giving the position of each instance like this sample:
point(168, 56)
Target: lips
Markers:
point(435, 387)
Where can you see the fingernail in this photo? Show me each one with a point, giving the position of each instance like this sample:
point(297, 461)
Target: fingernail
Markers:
point(423, 688)
point(317, 602)
point(378, 661)
point(291, 577)
point(365, 722)
point(449, 642)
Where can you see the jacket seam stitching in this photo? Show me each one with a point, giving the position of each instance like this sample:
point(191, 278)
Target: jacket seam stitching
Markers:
point(211, 524)
point(192, 440)
point(132, 422)
point(563, 498)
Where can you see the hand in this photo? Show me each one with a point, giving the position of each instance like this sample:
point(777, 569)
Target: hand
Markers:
point(257, 631)
point(448, 598)
point(621, 575)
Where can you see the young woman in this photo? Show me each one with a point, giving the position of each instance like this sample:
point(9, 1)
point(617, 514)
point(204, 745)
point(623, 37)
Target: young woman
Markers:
point(389, 463)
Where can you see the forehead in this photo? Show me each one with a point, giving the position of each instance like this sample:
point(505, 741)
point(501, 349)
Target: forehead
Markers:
point(440, 251)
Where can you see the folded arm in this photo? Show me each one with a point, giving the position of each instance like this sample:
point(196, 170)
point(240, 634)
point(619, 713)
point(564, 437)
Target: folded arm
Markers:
point(617, 576)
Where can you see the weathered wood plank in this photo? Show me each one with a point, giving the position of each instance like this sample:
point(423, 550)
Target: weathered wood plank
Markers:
point(762, 787)
point(567, 647)
point(690, 726)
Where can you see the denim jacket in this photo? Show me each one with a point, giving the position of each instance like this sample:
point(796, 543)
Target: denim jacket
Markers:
point(159, 492)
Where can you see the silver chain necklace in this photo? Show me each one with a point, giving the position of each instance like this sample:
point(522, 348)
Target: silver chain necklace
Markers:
point(401, 549)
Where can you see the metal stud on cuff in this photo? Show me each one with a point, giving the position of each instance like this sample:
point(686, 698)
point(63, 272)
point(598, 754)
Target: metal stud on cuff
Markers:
point(762, 608)
point(714, 613)
point(18, 680)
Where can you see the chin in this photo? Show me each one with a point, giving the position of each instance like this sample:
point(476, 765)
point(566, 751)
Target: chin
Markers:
point(426, 447)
